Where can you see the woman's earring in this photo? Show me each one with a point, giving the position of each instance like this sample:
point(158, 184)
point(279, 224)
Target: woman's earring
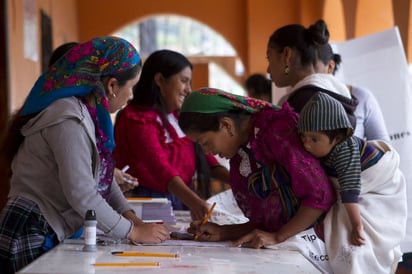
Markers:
point(113, 95)
point(286, 70)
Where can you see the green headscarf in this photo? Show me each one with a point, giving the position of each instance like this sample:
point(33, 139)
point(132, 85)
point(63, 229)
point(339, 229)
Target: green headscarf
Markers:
point(210, 100)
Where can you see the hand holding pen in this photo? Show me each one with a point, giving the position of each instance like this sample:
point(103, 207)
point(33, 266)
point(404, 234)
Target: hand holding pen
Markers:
point(125, 180)
point(206, 219)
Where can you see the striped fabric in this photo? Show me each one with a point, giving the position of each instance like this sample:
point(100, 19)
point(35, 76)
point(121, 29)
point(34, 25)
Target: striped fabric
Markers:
point(23, 232)
point(346, 161)
point(323, 112)
point(369, 154)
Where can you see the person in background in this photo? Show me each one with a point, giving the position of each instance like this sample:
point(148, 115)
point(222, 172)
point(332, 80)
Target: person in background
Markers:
point(291, 53)
point(150, 141)
point(259, 87)
point(59, 148)
point(281, 188)
point(370, 123)
point(125, 180)
point(368, 222)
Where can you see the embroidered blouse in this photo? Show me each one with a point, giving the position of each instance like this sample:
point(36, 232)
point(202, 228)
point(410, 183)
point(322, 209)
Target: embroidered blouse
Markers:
point(276, 141)
point(155, 151)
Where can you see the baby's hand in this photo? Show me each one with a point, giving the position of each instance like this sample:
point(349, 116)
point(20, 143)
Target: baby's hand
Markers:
point(357, 236)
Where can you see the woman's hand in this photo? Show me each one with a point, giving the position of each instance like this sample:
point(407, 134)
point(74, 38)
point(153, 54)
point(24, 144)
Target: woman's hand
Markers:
point(149, 233)
point(210, 232)
point(257, 239)
point(198, 207)
point(125, 180)
point(199, 210)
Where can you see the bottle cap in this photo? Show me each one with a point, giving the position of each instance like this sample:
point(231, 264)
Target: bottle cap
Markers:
point(90, 215)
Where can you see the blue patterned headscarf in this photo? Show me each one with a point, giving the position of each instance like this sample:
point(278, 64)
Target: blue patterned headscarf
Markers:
point(79, 72)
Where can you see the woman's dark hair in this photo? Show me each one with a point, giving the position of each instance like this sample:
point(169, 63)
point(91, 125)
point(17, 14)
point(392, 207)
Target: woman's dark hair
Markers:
point(338, 60)
point(128, 74)
point(259, 84)
point(325, 54)
point(304, 40)
point(167, 63)
point(200, 122)
point(60, 51)
point(12, 139)
point(203, 122)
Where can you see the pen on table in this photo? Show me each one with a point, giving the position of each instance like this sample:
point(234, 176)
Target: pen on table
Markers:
point(144, 254)
point(206, 218)
point(129, 264)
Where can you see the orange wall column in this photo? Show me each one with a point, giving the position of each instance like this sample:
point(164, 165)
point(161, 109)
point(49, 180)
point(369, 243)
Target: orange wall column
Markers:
point(402, 17)
point(200, 76)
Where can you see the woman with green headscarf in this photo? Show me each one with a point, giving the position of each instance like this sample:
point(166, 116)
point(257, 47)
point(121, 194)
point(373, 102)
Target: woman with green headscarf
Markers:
point(280, 187)
point(58, 150)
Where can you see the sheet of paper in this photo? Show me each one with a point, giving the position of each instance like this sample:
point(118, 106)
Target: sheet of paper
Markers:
point(226, 211)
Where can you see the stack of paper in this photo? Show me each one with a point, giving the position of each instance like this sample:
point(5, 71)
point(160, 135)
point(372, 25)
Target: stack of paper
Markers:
point(157, 210)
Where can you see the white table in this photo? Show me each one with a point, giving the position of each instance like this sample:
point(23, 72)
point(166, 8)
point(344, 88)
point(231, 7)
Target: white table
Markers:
point(69, 258)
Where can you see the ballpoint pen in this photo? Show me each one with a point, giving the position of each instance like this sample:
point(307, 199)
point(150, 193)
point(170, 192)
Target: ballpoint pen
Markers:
point(206, 218)
point(128, 181)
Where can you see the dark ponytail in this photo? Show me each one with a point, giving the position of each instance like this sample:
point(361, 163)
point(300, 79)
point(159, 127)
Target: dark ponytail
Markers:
point(303, 40)
point(203, 173)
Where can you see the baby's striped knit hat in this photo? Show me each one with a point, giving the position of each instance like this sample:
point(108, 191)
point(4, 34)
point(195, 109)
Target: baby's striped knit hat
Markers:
point(321, 113)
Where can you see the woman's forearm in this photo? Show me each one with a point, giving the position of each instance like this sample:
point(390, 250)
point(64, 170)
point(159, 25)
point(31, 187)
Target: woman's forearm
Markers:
point(177, 187)
point(234, 232)
point(304, 217)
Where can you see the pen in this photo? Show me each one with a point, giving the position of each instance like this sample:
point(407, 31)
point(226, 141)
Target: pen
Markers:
point(160, 222)
point(139, 199)
point(143, 254)
point(206, 218)
point(128, 181)
point(126, 168)
point(129, 264)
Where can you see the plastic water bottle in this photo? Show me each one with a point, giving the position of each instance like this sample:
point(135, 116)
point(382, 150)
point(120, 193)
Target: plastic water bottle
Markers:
point(90, 225)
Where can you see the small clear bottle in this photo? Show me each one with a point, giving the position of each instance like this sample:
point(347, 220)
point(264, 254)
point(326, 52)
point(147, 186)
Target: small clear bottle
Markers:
point(90, 228)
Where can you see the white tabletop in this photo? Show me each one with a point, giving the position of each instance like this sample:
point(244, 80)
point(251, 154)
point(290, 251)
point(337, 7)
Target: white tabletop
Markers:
point(69, 258)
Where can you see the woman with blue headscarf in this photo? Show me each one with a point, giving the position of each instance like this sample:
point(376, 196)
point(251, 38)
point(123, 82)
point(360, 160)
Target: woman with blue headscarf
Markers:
point(58, 149)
